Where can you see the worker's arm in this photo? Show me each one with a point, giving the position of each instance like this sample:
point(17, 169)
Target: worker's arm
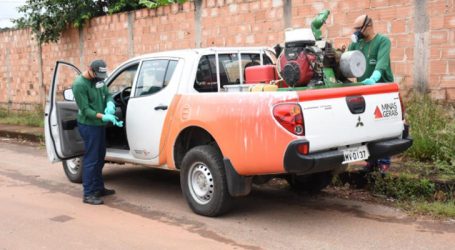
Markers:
point(107, 94)
point(382, 62)
point(110, 106)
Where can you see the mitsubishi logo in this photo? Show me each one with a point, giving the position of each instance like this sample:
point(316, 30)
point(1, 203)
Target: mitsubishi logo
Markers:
point(359, 123)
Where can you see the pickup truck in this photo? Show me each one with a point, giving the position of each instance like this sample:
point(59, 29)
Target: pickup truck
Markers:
point(178, 116)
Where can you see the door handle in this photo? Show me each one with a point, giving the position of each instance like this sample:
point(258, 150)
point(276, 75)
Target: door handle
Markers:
point(161, 107)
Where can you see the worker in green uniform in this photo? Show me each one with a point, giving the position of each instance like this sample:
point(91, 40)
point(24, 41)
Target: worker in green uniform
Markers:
point(96, 109)
point(376, 49)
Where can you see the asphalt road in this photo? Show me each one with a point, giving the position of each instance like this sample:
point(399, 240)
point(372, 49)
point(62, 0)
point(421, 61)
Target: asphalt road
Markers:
point(41, 209)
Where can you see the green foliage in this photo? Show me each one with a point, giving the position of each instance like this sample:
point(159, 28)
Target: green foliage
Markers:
point(123, 5)
point(438, 209)
point(25, 118)
point(157, 3)
point(48, 19)
point(402, 187)
point(436, 170)
point(433, 131)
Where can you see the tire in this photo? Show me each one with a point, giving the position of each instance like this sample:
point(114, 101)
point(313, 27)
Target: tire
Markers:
point(312, 183)
point(73, 169)
point(203, 181)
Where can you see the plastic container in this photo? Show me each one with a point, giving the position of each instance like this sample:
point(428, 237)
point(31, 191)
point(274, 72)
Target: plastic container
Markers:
point(260, 74)
point(237, 88)
point(250, 88)
point(263, 87)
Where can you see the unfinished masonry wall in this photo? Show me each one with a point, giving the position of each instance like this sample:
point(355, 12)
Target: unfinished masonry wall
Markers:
point(422, 34)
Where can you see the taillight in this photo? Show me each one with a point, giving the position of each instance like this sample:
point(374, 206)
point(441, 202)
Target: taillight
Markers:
point(403, 110)
point(290, 117)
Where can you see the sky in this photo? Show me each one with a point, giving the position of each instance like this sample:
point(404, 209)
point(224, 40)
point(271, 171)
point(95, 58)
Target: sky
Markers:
point(8, 10)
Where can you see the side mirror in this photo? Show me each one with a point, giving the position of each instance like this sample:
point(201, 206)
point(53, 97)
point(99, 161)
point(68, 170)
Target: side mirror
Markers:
point(68, 95)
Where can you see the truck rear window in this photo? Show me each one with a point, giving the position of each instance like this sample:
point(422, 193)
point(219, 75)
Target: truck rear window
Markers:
point(206, 78)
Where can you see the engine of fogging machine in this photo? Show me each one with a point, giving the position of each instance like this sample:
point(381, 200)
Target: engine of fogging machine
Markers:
point(307, 62)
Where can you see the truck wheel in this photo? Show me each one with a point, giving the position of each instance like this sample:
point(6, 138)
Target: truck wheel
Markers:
point(312, 183)
point(203, 181)
point(73, 169)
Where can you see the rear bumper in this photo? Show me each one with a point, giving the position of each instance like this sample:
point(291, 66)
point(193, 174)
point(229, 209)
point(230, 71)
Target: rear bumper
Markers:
point(389, 147)
point(295, 162)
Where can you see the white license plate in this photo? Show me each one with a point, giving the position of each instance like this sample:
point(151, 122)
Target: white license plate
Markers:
point(355, 154)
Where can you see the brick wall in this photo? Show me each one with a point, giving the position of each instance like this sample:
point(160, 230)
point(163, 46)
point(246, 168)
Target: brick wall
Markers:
point(422, 34)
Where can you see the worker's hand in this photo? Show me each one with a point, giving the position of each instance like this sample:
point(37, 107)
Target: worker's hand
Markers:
point(368, 81)
point(113, 119)
point(374, 78)
point(110, 108)
point(118, 124)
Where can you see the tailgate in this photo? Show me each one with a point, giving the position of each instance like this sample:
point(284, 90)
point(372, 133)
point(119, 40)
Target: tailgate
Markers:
point(351, 115)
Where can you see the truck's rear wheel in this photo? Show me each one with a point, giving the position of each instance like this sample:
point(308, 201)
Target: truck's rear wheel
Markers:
point(73, 169)
point(312, 183)
point(203, 181)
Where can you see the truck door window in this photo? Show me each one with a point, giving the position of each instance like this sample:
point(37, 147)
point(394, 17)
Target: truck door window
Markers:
point(169, 72)
point(206, 80)
point(65, 79)
point(123, 79)
point(206, 76)
point(154, 75)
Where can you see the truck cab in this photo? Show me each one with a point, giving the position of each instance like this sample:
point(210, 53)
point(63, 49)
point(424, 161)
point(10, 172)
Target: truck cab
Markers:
point(143, 89)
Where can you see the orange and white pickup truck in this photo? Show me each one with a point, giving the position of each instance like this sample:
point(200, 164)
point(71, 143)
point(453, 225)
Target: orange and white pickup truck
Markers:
point(179, 116)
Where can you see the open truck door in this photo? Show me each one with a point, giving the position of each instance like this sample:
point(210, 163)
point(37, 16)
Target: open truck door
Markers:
point(63, 141)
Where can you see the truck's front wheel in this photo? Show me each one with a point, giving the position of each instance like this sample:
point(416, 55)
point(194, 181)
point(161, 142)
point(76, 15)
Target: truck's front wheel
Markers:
point(203, 181)
point(73, 169)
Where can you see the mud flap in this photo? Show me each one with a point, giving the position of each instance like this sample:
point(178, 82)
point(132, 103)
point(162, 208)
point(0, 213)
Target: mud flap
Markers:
point(238, 185)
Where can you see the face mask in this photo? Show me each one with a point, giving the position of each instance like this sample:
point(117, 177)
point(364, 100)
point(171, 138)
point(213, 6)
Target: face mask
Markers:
point(357, 36)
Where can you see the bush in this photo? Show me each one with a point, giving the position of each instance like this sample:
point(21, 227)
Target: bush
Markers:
point(433, 130)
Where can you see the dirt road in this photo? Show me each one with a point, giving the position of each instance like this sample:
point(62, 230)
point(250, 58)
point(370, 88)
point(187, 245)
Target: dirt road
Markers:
point(41, 209)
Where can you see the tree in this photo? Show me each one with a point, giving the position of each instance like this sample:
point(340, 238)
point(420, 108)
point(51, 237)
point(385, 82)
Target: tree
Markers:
point(49, 18)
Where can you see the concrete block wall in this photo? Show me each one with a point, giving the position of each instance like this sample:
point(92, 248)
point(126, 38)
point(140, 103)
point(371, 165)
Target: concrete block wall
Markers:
point(422, 34)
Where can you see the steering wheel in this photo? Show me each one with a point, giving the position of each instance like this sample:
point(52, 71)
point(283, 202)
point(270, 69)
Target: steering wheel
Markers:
point(123, 97)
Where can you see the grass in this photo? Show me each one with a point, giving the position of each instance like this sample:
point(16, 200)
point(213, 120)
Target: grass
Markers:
point(436, 209)
point(25, 118)
point(402, 186)
point(433, 131)
point(415, 194)
point(435, 171)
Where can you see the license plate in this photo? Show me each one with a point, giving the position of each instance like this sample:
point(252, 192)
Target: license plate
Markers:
point(355, 154)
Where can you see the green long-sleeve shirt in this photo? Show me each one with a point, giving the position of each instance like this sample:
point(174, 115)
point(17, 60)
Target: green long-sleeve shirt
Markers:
point(91, 98)
point(377, 55)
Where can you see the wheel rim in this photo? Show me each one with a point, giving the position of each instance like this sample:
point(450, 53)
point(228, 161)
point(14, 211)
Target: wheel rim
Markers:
point(200, 182)
point(73, 165)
